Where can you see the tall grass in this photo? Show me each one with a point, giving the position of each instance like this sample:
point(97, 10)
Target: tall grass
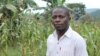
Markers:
point(91, 32)
point(27, 36)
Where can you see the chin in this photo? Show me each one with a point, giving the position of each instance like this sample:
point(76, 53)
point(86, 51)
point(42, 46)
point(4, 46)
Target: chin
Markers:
point(59, 29)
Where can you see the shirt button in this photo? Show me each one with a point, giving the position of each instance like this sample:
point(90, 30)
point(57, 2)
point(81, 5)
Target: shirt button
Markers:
point(57, 52)
point(60, 48)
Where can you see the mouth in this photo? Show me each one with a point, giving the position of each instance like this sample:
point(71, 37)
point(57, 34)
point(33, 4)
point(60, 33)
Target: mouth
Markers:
point(58, 25)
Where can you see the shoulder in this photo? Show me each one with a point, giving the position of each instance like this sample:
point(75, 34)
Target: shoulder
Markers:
point(50, 38)
point(79, 40)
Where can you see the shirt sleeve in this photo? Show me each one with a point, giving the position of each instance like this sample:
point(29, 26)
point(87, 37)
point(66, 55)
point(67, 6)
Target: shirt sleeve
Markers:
point(80, 49)
point(48, 52)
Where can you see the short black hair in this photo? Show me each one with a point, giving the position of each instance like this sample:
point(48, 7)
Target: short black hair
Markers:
point(61, 7)
point(64, 8)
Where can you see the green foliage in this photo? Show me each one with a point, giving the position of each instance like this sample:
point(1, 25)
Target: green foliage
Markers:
point(78, 8)
point(24, 35)
point(29, 37)
point(55, 2)
point(91, 32)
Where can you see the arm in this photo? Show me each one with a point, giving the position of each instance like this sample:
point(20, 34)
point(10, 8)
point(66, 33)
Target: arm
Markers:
point(47, 52)
point(80, 49)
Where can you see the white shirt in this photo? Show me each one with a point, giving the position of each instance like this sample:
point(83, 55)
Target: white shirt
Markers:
point(70, 44)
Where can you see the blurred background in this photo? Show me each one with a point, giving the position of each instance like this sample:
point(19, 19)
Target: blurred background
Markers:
point(26, 24)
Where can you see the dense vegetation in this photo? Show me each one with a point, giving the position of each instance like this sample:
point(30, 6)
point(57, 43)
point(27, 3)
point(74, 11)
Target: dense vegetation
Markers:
point(23, 34)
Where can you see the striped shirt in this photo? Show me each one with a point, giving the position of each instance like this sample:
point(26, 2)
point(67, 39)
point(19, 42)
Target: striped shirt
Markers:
point(70, 44)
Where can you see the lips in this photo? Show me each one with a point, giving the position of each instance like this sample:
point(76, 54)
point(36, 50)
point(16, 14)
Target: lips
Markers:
point(58, 25)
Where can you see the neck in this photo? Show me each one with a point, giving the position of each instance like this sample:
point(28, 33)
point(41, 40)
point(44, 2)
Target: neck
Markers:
point(61, 32)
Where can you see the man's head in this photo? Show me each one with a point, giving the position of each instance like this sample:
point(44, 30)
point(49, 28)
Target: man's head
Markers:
point(60, 18)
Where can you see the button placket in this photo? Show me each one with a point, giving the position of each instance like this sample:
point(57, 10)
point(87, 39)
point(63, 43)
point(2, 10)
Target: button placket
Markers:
point(57, 48)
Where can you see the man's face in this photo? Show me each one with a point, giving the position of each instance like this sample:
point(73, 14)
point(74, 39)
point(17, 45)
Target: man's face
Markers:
point(60, 19)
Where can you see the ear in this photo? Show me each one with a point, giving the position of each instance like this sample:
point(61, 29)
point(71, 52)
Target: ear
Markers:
point(69, 17)
point(51, 21)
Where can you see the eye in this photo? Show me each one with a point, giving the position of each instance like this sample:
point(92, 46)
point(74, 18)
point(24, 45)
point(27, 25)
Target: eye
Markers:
point(60, 16)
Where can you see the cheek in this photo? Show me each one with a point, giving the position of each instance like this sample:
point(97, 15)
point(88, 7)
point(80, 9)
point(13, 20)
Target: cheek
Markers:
point(65, 23)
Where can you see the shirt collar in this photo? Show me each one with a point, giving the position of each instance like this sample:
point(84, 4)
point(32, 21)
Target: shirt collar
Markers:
point(67, 33)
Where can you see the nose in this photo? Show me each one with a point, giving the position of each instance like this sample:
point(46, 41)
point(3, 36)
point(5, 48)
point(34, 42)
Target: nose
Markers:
point(57, 19)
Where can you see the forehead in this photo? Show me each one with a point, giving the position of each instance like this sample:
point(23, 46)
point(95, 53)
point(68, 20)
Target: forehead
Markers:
point(59, 11)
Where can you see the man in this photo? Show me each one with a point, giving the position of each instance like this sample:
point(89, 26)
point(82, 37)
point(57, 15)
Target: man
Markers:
point(64, 41)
